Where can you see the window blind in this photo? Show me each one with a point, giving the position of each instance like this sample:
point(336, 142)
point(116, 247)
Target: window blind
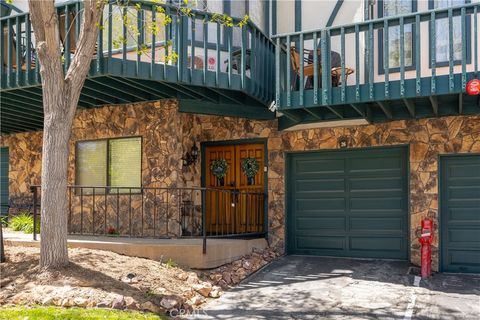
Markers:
point(92, 163)
point(125, 160)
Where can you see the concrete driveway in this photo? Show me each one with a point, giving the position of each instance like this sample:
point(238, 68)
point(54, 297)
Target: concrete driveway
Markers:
point(297, 287)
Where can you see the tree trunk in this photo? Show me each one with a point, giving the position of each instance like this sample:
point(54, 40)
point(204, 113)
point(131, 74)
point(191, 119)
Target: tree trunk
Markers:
point(61, 93)
point(54, 206)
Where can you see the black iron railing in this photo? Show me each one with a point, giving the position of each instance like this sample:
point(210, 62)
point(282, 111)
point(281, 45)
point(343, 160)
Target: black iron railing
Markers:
point(161, 212)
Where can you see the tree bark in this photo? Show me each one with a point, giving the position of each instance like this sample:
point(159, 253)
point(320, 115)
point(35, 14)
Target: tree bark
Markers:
point(60, 97)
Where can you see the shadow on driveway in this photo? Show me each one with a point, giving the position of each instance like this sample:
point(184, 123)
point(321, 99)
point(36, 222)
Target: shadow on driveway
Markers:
point(298, 287)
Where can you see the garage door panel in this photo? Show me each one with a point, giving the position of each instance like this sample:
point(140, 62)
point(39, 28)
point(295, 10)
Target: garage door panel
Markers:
point(464, 192)
point(460, 213)
point(376, 243)
point(386, 193)
point(380, 224)
point(320, 194)
point(472, 180)
point(379, 213)
point(469, 215)
point(319, 212)
point(321, 223)
point(375, 165)
point(463, 203)
point(463, 260)
point(376, 184)
point(463, 236)
point(463, 169)
point(355, 207)
point(327, 166)
point(376, 203)
point(325, 204)
point(320, 185)
point(321, 243)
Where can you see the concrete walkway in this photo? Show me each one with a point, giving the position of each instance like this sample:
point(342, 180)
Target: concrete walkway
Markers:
point(184, 251)
point(295, 287)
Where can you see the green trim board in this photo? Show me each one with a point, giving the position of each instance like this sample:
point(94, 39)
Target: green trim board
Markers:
point(298, 15)
point(4, 195)
point(459, 216)
point(225, 109)
point(274, 17)
point(362, 94)
point(350, 203)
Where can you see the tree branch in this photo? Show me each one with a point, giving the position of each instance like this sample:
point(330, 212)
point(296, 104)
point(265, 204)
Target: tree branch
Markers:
point(44, 20)
point(77, 72)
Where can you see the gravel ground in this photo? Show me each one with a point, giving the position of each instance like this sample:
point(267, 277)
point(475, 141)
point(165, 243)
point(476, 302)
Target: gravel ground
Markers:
point(94, 275)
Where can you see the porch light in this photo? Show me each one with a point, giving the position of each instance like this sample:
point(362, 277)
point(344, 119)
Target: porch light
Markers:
point(190, 157)
point(194, 151)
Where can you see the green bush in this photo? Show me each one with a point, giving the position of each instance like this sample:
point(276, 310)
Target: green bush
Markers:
point(22, 222)
point(4, 221)
point(170, 263)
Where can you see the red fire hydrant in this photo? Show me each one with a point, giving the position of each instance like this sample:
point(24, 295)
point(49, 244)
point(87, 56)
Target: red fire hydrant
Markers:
point(426, 239)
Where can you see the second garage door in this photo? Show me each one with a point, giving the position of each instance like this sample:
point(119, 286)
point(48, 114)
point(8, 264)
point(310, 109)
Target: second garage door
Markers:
point(350, 203)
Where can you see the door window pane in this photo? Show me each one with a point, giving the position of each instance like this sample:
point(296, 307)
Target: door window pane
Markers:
point(442, 51)
point(394, 8)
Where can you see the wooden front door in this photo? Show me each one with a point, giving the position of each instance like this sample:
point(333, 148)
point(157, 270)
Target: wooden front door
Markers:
point(238, 204)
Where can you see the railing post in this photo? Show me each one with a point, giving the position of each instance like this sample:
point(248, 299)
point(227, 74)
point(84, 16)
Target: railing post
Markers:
point(2, 248)
point(182, 29)
point(33, 189)
point(204, 222)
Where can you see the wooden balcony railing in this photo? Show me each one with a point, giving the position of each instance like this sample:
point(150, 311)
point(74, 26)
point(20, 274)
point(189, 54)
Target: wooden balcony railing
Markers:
point(193, 49)
point(357, 64)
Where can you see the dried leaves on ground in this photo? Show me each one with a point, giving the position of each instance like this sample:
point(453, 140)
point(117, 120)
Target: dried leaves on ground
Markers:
point(97, 278)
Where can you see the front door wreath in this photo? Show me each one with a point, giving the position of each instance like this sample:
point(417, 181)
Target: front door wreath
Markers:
point(250, 168)
point(219, 169)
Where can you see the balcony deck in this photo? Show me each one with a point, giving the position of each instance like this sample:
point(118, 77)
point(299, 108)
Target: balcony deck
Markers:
point(228, 72)
point(376, 91)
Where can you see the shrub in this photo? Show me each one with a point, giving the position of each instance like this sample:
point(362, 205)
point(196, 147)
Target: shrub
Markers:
point(112, 231)
point(4, 221)
point(170, 263)
point(22, 222)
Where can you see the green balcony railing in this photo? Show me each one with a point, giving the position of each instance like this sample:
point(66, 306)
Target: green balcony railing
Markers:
point(192, 52)
point(364, 69)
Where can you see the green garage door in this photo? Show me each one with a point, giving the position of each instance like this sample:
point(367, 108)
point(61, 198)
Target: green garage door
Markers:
point(351, 203)
point(3, 180)
point(460, 213)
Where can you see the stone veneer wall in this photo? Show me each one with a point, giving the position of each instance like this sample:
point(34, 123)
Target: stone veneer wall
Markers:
point(427, 139)
point(167, 134)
